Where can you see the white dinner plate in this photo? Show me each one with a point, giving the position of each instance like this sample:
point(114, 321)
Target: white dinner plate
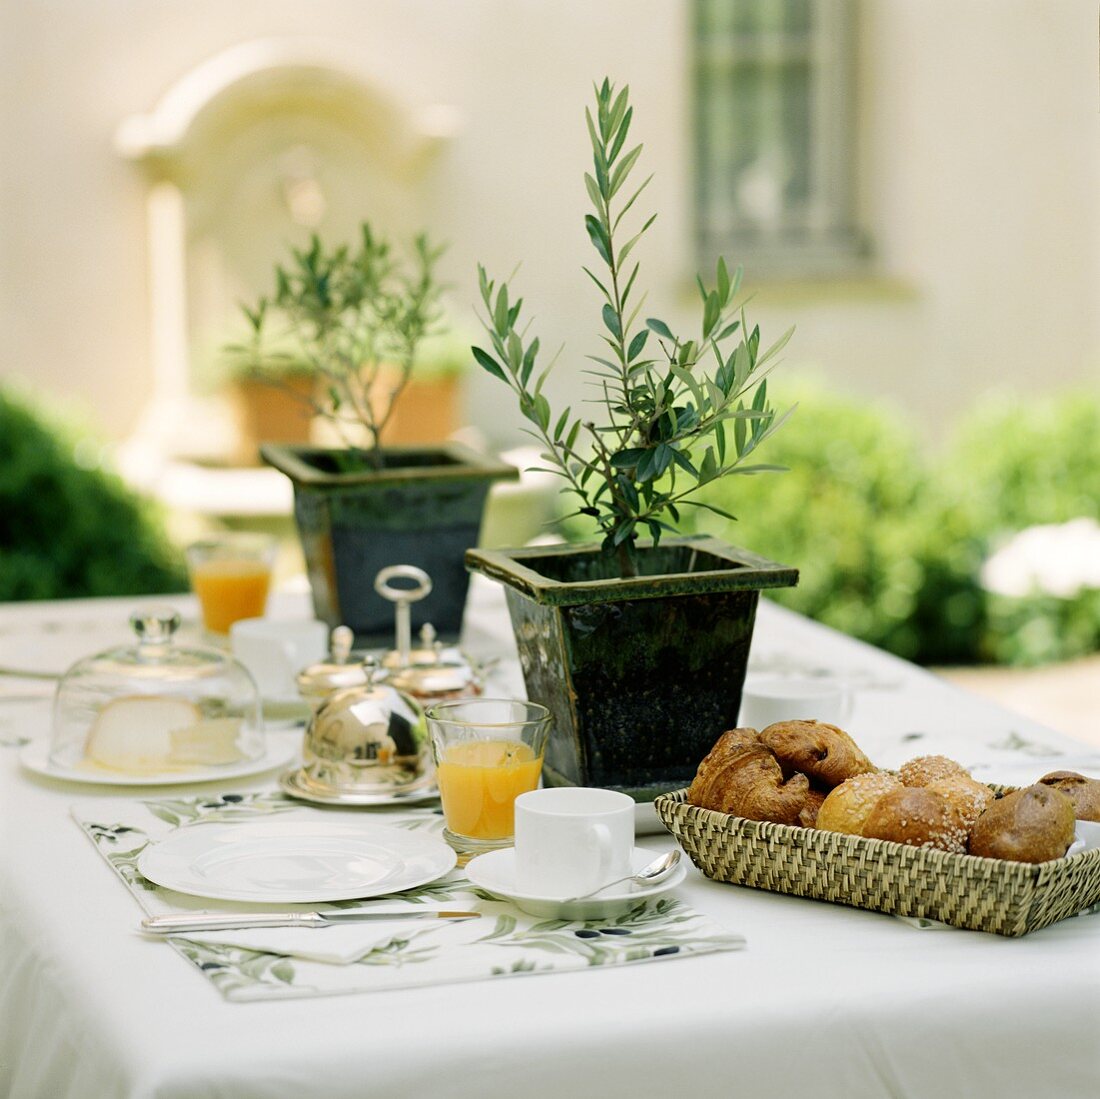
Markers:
point(295, 858)
point(280, 749)
point(495, 871)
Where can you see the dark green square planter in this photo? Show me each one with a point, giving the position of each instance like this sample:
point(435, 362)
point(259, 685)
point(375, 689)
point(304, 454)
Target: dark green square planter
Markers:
point(641, 675)
point(423, 508)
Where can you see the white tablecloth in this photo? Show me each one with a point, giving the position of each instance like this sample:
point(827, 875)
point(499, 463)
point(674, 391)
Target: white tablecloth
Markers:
point(825, 1000)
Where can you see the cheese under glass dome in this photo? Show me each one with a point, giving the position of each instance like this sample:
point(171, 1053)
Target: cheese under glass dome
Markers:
point(156, 708)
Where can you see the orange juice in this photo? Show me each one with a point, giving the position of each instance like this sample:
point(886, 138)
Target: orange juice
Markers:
point(229, 590)
point(479, 781)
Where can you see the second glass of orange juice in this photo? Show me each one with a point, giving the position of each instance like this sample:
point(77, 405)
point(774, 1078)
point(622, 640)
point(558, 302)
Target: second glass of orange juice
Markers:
point(231, 575)
point(487, 752)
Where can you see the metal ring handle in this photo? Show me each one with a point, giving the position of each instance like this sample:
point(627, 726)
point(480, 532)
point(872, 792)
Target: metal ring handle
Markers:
point(403, 595)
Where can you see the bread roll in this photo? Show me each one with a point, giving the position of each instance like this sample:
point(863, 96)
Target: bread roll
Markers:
point(969, 797)
point(918, 818)
point(740, 776)
point(847, 807)
point(1030, 825)
point(826, 754)
point(1083, 792)
point(925, 770)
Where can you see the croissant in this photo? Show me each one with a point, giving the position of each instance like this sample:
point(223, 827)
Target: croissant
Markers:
point(740, 776)
point(826, 754)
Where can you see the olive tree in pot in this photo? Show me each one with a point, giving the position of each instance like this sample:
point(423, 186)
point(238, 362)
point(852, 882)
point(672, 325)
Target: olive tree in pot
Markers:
point(638, 647)
point(356, 317)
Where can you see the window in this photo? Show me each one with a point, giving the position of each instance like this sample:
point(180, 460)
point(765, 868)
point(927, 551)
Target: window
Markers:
point(775, 135)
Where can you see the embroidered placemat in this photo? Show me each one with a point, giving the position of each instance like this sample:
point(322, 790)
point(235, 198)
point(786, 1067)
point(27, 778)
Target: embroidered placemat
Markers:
point(504, 942)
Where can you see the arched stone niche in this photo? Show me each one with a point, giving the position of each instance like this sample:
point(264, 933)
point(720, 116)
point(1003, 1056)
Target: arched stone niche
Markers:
point(251, 151)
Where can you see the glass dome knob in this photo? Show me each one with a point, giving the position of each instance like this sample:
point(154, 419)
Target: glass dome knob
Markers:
point(155, 626)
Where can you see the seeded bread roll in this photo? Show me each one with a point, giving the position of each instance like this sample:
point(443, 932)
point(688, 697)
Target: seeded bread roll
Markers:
point(826, 754)
point(969, 797)
point(917, 818)
point(1035, 824)
point(925, 770)
point(847, 808)
point(1083, 792)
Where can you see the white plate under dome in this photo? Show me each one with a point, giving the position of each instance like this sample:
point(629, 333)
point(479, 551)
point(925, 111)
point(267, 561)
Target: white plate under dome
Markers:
point(280, 749)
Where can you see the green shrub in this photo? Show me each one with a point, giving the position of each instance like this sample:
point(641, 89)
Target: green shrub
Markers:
point(1021, 461)
point(1018, 462)
point(66, 531)
point(883, 556)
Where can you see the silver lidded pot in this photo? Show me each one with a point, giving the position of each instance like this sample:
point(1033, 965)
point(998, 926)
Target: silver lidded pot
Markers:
point(339, 672)
point(431, 672)
point(365, 741)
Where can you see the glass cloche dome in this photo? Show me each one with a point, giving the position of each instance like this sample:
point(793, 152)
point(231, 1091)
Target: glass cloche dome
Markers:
point(156, 708)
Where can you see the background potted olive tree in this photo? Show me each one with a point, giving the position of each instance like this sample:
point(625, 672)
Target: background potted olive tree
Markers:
point(638, 647)
point(356, 316)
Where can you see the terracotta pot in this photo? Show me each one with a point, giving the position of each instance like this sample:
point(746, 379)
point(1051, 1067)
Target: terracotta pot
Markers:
point(270, 413)
point(427, 412)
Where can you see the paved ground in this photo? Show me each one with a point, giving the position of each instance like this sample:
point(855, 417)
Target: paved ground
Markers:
point(1064, 696)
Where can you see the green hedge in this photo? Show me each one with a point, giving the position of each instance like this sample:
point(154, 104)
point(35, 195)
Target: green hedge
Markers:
point(890, 542)
point(66, 531)
point(1019, 462)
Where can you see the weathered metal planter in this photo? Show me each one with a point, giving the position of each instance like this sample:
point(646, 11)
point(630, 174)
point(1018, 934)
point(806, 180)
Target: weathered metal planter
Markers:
point(641, 675)
point(423, 508)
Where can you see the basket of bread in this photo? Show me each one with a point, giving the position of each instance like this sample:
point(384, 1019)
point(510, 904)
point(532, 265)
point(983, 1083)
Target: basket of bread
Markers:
point(798, 808)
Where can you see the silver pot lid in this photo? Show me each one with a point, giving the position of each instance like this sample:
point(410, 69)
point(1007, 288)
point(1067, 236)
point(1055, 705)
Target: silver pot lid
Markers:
point(432, 671)
point(338, 673)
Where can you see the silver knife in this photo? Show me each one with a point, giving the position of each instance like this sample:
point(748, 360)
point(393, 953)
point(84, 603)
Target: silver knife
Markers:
point(235, 921)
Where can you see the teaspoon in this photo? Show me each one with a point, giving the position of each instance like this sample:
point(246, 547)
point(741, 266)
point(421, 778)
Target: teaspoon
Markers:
point(650, 874)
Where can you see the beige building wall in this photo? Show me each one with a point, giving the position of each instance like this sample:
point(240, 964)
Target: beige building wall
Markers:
point(979, 181)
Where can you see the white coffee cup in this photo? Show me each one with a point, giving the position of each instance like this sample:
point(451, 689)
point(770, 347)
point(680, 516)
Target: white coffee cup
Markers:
point(766, 700)
point(275, 650)
point(572, 840)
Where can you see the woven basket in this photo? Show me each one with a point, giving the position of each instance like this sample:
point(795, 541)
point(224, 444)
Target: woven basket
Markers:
point(1006, 898)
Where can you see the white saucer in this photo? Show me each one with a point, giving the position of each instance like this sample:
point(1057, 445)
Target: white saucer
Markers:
point(495, 872)
point(300, 857)
point(280, 750)
point(290, 782)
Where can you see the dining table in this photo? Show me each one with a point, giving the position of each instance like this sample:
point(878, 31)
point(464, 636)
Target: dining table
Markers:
point(817, 999)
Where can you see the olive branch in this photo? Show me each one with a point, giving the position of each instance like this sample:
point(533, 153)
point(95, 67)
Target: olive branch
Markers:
point(347, 314)
point(666, 402)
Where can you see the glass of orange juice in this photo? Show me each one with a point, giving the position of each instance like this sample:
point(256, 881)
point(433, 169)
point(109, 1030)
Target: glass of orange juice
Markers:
point(487, 752)
point(231, 575)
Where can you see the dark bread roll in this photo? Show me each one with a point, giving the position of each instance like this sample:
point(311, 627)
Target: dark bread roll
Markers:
point(1030, 825)
point(918, 818)
point(826, 754)
point(1082, 791)
point(740, 776)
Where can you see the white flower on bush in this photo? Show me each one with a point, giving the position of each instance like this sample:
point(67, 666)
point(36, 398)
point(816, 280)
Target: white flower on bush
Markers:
point(1060, 559)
